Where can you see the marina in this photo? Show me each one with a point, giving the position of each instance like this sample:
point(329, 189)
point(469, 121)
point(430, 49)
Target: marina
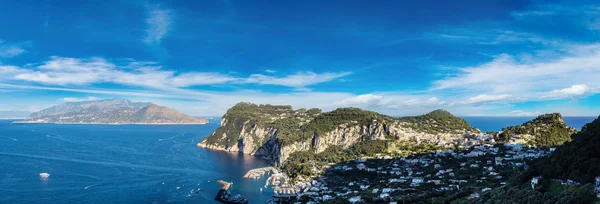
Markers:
point(260, 172)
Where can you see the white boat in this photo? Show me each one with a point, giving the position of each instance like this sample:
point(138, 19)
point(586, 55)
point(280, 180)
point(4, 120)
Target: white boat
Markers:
point(44, 176)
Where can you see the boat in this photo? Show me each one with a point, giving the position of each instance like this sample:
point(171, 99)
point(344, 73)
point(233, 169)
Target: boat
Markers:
point(224, 196)
point(44, 176)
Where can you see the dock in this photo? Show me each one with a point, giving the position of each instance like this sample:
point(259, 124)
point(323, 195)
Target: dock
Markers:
point(224, 184)
point(260, 172)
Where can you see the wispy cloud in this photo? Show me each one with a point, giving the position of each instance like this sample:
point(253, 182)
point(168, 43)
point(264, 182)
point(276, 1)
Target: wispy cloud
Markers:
point(525, 113)
point(392, 101)
point(484, 98)
point(573, 91)
point(71, 99)
point(361, 100)
point(300, 79)
point(486, 36)
point(158, 24)
point(508, 74)
point(74, 71)
point(8, 50)
point(587, 15)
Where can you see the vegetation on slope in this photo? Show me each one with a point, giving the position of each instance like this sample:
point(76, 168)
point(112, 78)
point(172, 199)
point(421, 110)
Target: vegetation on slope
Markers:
point(327, 122)
point(547, 130)
point(302, 163)
point(438, 121)
point(301, 125)
point(305, 163)
point(578, 160)
point(524, 194)
point(292, 126)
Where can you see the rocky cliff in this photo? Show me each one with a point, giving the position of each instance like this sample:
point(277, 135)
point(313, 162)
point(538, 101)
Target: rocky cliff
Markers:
point(275, 132)
point(545, 130)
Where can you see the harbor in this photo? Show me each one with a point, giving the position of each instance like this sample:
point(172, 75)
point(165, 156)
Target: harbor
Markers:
point(279, 181)
point(260, 172)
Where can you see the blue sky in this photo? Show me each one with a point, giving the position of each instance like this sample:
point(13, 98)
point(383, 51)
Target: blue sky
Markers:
point(395, 57)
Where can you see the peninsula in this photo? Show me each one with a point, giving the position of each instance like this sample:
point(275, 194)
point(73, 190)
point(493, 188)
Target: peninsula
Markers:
point(111, 111)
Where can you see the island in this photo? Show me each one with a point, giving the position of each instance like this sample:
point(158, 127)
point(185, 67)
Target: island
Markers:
point(111, 111)
point(350, 155)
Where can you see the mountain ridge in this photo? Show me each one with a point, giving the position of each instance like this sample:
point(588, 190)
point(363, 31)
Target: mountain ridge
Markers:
point(275, 132)
point(111, 111)
point(545, 130)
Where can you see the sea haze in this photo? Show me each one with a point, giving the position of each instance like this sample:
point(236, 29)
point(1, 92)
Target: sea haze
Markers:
point(118, 164)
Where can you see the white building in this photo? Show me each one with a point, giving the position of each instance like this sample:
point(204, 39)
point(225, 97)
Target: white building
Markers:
point(535, 181)
point(354, 199)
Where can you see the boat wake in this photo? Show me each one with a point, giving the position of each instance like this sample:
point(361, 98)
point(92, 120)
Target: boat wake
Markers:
point(13, 139)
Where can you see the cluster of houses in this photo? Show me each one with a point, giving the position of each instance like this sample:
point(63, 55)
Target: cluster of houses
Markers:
point(479, 169)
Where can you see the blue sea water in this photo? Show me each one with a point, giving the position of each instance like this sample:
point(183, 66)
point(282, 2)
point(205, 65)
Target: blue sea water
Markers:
point(118, 164)
point(136, 163)
point(497, 123)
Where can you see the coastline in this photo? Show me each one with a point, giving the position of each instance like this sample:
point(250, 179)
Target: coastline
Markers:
point(27, 122)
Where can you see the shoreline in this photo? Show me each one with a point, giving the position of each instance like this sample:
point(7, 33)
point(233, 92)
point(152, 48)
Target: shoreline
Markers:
point(25, 122)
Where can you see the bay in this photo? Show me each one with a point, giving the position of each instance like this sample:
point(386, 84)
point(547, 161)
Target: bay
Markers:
point(119, 164)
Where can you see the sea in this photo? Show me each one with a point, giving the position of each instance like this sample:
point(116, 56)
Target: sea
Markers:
point(119, 164)
point(137, 163)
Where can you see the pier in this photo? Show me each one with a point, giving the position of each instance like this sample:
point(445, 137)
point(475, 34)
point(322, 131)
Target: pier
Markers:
point(260, 172)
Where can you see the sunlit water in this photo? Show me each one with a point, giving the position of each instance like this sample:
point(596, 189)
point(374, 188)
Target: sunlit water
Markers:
point(136, 163)
point(118, 164)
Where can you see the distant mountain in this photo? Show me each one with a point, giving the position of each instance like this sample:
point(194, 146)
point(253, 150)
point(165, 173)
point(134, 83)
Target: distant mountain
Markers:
point(545, 130)
point(13, 114)
point(159, 114)
point(104, 105)
point(111, 111)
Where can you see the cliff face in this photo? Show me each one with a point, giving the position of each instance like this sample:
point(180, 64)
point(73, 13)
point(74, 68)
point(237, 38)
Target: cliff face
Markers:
point(545, 130)
point(275, 132)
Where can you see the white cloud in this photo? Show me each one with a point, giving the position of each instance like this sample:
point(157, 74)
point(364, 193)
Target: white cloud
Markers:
point(392, 103)
point(484, 98)
point(73, 71)
point(270, 71)
point(110, 92)
point(414, 102)
point(195, 102)
point(89, 98)
point(508, 75)
point(573, 91)
point(525, 113)
point(299, 79)
point(159, 24)
point(10, 51)
point(364, 99)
